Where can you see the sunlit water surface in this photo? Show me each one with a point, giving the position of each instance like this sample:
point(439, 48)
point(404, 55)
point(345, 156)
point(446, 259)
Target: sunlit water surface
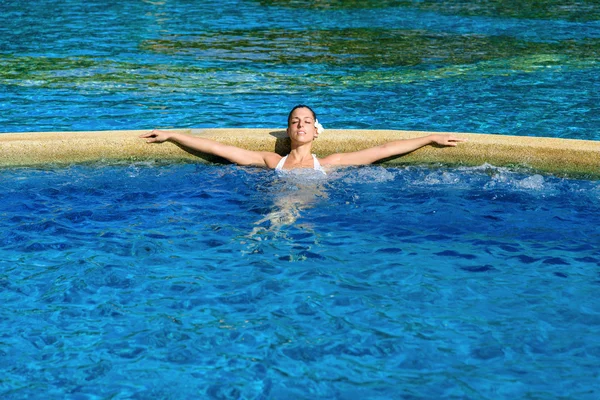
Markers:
point(157, 281)
point(526, 68)
point(223, 282)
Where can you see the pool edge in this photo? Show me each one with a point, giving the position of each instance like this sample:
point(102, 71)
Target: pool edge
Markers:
point(567, 157)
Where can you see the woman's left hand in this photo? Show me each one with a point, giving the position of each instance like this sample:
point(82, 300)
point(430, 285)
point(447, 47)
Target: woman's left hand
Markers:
point(156, 136)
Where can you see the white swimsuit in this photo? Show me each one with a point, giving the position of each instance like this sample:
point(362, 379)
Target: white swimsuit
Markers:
point(317, 165)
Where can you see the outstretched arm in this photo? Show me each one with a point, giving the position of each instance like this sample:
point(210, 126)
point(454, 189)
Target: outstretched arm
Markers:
point(231, 153)
point(395, 148)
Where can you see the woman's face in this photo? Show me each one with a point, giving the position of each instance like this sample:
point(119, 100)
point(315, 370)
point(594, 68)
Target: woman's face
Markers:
point(301, 126)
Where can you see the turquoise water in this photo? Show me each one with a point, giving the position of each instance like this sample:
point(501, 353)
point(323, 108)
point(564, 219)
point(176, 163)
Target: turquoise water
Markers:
point(205, 281)
point(528, 70)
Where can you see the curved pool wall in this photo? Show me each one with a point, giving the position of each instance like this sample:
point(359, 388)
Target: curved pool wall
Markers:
point(568, 157)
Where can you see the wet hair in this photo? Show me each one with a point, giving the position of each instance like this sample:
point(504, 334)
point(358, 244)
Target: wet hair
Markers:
point(301, 106)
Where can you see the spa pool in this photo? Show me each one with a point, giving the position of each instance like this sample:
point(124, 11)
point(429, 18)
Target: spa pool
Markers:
point(200, 281)
point(208, 281)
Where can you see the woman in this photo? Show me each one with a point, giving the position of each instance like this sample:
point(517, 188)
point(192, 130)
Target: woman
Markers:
point(302, 129)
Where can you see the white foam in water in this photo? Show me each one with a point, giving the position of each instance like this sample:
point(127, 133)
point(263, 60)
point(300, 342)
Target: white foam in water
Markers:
point(366, 174)
point(482, 167)
point(535, 182)
point(442, 178)
point(501, 177)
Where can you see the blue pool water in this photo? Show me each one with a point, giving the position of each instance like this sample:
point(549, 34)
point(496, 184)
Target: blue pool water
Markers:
point(205, 281)
point(193, 282)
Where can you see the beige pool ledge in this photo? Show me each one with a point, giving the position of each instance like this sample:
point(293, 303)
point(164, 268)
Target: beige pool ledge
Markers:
point(563, 157)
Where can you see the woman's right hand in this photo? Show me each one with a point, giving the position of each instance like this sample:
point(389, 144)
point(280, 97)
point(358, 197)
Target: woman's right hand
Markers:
point(156, 136)
point(446, 139)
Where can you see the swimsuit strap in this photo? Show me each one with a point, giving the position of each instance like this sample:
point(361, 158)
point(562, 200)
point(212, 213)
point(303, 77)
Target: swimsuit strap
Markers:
point(279, 166)
point(317, 165)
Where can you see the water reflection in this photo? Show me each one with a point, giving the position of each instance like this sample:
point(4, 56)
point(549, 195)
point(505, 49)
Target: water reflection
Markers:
point(570, 10)
point(351, 47)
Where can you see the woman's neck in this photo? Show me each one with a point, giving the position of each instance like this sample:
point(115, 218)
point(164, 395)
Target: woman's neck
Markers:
point(301, 151)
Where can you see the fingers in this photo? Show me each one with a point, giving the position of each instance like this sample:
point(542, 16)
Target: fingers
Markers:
point(151, 136)
point(448, 140)
point(155, 136)
point(152, 133)
point(453, 141)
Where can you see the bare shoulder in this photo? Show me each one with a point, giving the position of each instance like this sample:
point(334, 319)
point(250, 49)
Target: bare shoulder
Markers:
point(271, 159)
point(332, 159)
